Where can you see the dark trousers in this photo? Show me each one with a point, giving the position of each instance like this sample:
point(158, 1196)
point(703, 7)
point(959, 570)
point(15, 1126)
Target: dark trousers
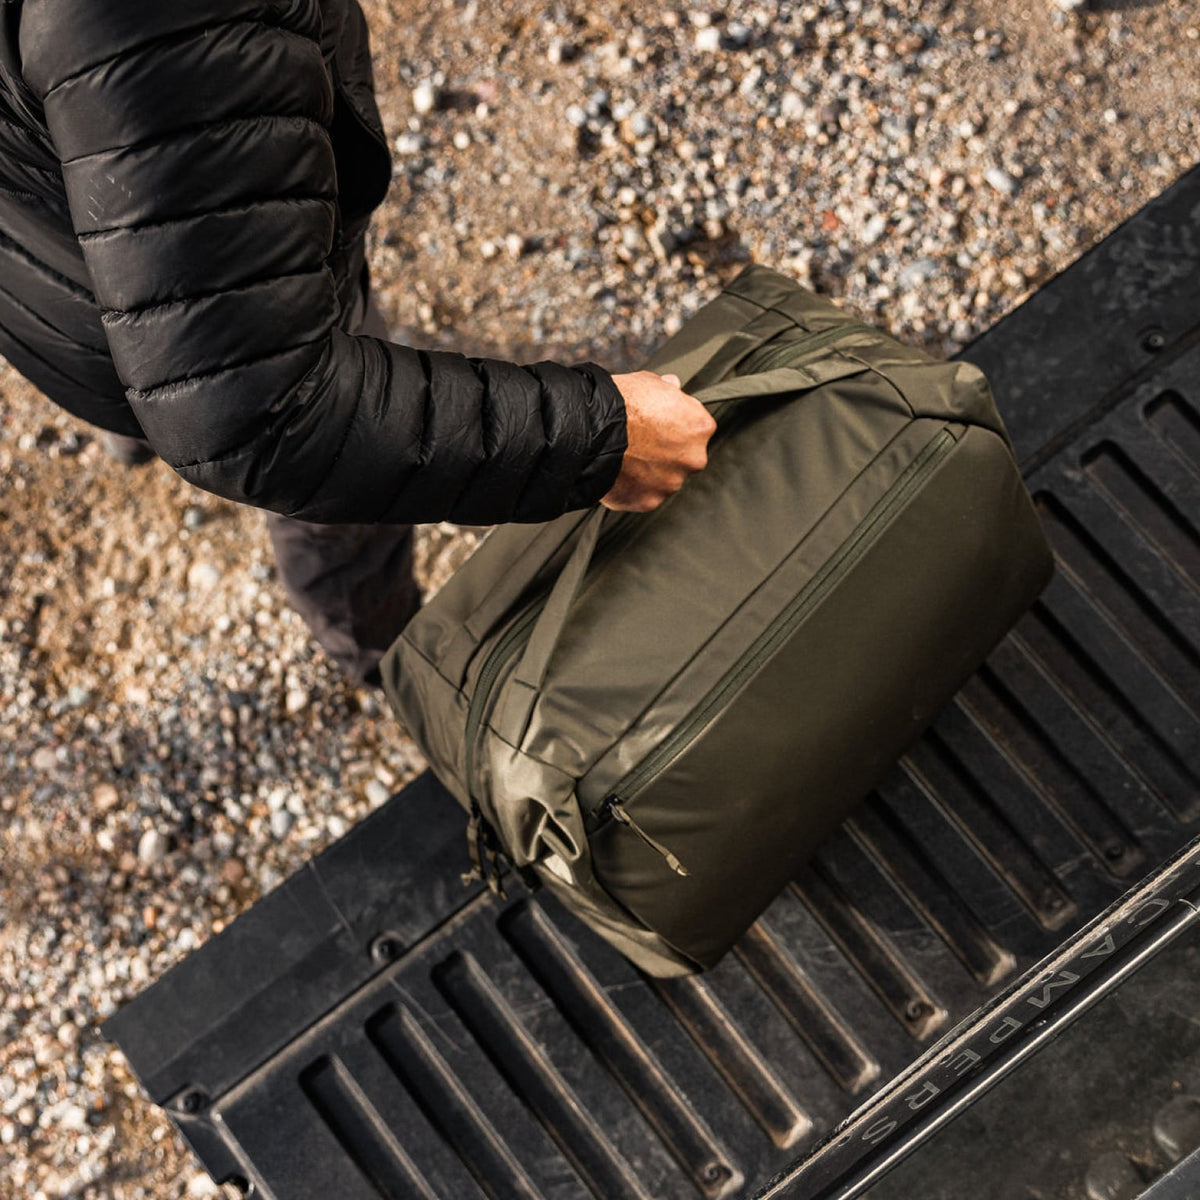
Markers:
point(352, 584)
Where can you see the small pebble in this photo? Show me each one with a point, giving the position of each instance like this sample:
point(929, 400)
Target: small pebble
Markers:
point(203, 577)
point(916, 273)
point(792, 107)
point(47, 1053)
point(152, 846)
point(1001, 180)
point(737, 33)
point(233, 871)
point(408, 144)
point(281, 822)
point(105, 797)
point(376, 792)
point(874, 229)
point(44, 759)
point(73, 1118)
point(424, 98)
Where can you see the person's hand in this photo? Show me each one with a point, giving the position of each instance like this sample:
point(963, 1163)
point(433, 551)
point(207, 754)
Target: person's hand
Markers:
point(667, 432)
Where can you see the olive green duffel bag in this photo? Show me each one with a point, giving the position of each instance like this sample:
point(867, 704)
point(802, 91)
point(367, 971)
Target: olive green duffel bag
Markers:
point(661, 716)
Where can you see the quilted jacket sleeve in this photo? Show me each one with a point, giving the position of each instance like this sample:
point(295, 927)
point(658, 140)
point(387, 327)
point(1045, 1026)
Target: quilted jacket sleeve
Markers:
point(194, 140)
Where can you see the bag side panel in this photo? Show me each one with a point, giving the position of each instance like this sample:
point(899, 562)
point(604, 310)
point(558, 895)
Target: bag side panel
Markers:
point(951, 391)
point(821, 723)
point(432, 711)
point(772, 289)
point(957, 391)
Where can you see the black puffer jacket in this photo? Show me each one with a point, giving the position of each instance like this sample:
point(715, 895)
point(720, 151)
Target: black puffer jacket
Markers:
point(184, 186)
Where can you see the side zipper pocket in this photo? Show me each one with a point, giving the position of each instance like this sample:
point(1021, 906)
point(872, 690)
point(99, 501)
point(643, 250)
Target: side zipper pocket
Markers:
point(614, 805)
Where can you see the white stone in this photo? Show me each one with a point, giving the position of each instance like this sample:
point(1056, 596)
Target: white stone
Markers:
point(44, 759)
point(73, 1118)
point(1001, 180)
point(424, 98)
point(874, 229)
point(792, 107)
point(203, 577)
point(152, 846)
point(410, 143)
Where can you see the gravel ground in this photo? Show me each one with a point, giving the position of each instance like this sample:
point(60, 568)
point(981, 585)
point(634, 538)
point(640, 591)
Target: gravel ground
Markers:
point(572, 181)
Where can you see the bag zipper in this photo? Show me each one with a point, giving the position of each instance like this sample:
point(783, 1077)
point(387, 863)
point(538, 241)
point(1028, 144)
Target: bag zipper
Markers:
point(615, 810)
point(768, 643)
point(767, 357)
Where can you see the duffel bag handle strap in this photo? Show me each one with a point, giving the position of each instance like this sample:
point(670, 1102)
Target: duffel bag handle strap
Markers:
point(516, 579)
point(516, 703)
point(776, 384)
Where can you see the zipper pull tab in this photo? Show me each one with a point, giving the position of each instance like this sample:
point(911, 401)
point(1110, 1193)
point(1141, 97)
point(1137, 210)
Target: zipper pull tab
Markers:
point(615, 807)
